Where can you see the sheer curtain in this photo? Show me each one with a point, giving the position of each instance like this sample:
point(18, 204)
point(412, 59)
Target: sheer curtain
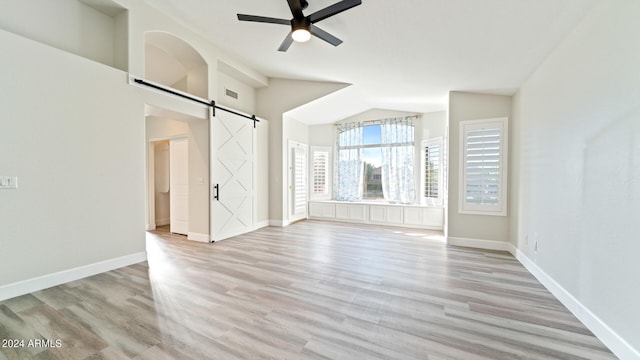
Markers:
point(349, 175)
point(397, 138)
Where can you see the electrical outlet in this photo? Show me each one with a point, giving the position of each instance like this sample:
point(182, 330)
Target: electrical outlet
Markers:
point(8, 182)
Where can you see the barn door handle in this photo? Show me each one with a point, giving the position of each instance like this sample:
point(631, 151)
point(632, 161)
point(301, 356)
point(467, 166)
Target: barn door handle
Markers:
point(217, 189)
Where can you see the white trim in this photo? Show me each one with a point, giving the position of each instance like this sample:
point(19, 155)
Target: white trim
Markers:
point(481, 244)
point(198, 237)
point(46, 281)
point(149, 227)
point(261, 224)
point(600, 329)
point(279, 223)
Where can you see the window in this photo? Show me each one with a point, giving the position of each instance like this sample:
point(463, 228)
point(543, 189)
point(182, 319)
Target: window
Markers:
point(433, 161)
point(372, 157)
point(483, 167)
point(321, 172)
point(376, 161)
point(299, 180)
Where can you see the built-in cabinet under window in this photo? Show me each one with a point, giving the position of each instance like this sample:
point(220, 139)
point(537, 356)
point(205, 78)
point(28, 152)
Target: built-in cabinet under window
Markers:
point(414, 216)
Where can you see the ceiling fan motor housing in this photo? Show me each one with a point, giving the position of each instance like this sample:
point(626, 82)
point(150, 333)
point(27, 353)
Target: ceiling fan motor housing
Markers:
point(300, 23)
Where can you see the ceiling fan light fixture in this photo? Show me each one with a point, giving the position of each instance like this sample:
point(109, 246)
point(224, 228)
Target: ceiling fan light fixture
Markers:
point(301, 35)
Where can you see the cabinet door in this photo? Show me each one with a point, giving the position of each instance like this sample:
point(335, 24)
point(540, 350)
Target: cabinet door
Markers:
point(394, 215)
point(376, 214)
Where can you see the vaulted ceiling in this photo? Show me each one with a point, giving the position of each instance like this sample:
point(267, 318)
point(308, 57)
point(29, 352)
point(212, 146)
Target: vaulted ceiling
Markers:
point(401, 55)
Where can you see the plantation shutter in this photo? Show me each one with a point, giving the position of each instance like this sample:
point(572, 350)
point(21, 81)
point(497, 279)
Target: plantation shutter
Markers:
point(320, 172)
point(299, 181)
point(484, 169)
point(432, 172)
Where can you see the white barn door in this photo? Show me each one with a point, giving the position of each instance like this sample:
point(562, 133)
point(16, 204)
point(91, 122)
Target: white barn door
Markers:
point(232, 175)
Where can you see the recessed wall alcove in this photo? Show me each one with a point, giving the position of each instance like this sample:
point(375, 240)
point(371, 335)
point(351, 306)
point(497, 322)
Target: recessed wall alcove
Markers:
point(172, 62)
point(93, 29)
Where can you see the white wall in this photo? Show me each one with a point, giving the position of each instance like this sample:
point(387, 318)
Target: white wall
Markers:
point(76, 129)
point(272, 103)
point(469, 106)
point(246, 94)
point(434, 125)
point(73, 132)
point(577, 172)
point(323, 135)
point(68, 25)
point(263, 173)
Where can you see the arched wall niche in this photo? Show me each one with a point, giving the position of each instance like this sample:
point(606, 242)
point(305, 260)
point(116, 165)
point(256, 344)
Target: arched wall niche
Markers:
point(172, 62)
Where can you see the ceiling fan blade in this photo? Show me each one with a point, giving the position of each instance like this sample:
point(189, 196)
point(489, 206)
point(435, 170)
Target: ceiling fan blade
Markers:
point(333, 10)
point(316, 31)
point(296, 7)
point(263, 19)
point(286, 43)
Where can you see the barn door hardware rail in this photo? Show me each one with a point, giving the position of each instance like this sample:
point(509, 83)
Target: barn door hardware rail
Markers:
point(211, 104)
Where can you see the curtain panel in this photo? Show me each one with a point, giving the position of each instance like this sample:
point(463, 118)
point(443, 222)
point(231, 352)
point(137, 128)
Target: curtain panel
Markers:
point(398, 147)
point(349, 174)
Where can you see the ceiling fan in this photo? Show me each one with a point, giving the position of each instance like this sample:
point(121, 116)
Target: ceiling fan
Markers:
point(302, 27)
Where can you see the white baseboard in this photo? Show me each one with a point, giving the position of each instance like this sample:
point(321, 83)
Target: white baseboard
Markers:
point(602, 331)
point(46, 281)
point(482, 244)
point(149, 227)
point(199, 237)
point(262, 224)
point(161, 222)
point(279, 223)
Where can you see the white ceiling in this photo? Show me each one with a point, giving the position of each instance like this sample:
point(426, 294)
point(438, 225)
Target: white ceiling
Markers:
point(400, 55)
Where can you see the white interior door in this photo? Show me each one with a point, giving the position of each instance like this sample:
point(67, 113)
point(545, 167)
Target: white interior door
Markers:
point(298, 188)
point(179, 186)
point(232, 175)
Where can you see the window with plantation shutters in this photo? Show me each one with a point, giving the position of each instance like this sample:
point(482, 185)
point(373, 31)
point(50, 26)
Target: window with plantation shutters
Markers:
point(320, 172)
point(432, 173)
point(299, 181)
point(483, 167)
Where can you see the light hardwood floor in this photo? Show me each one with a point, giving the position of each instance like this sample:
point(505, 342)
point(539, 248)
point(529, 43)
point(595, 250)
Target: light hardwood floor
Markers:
point(313, 290)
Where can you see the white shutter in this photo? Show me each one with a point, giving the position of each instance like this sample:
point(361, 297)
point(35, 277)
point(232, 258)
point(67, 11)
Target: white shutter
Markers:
point(320, 172)
point(483, 166)
point(433, 174)
point(299, 181)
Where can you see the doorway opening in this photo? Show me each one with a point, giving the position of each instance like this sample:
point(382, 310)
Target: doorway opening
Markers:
point(178, 172)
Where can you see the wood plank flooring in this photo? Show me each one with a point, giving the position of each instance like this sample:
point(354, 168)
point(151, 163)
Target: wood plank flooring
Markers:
point(313, 290)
